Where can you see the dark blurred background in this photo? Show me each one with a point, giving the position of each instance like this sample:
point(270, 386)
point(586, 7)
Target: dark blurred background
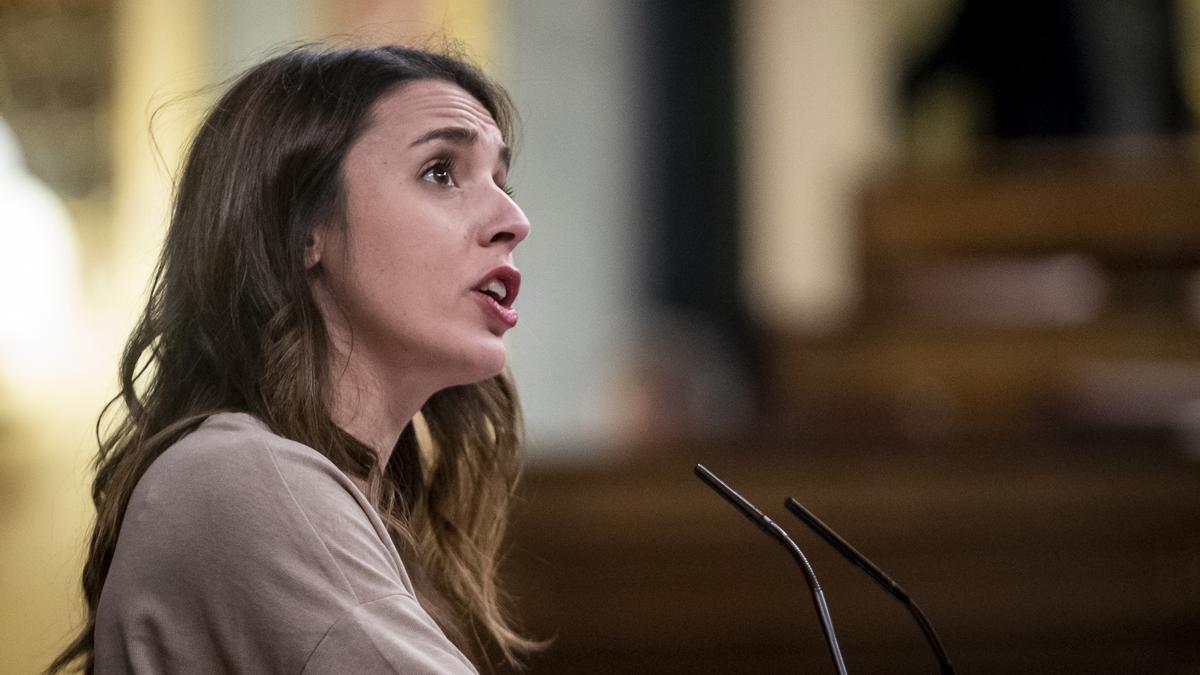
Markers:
point(932, 267)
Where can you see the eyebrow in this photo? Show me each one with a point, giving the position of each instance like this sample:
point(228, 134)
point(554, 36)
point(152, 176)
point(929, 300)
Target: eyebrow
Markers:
point(460, 136)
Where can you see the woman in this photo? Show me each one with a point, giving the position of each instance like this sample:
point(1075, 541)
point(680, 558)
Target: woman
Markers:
point(317, 439)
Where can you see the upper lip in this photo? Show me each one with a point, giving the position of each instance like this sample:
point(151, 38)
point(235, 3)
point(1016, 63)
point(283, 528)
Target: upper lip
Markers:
point(507, 275)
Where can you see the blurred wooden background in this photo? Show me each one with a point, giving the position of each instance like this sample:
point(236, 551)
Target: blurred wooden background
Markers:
point(1038, 559)
point(1004, 429)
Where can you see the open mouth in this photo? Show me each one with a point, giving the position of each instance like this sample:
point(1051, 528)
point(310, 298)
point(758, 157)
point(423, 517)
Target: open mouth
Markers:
point(501, 285)
point(496, 290)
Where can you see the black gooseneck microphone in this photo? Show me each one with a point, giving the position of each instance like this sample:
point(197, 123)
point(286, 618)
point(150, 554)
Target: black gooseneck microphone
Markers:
point(776, 532)
point(877, 575)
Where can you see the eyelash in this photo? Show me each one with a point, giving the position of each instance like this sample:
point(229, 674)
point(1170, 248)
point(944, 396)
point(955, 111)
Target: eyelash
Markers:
point(447, 166)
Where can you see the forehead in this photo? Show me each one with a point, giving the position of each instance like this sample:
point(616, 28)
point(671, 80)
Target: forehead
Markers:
point(415, 108)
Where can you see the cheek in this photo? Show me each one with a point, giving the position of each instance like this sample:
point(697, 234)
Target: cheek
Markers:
point(404, 248)
point(399, 275)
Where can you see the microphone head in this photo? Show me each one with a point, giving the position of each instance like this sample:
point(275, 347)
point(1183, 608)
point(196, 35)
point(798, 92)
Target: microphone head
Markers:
point(739, 502)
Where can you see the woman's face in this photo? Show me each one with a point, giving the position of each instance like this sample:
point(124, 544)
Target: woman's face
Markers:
point(417, 277)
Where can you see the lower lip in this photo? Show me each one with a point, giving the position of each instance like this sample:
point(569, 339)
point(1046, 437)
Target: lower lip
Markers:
point(505, 315)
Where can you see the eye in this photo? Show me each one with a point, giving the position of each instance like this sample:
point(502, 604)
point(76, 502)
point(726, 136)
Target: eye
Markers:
point(440, 173)
point(501, 181)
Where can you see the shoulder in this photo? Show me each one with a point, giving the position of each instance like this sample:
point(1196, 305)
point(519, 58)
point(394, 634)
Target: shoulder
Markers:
point(235, 485)
point(232, 477)
point(235, 456)
point(239, 542)
point(232, 485)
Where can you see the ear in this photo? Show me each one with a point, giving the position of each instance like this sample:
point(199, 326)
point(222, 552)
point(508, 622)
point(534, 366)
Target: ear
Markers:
point(314, 247)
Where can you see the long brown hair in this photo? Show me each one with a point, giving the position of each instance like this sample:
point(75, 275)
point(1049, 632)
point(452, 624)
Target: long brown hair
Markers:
point(231, 325)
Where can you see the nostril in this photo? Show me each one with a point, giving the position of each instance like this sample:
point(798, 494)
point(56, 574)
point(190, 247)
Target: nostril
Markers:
point(503, 237)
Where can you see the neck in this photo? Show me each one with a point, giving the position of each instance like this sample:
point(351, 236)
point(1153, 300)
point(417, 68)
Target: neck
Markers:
point(373, 399)
point(370, 404)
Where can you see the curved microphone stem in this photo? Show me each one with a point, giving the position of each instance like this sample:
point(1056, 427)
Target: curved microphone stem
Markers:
point(775, 531)
point(877, 575)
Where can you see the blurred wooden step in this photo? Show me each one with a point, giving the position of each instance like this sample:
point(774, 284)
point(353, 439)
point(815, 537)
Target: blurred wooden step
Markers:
point(1039, 557)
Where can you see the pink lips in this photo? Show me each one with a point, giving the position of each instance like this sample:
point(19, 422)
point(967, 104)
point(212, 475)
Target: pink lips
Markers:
point(488, 292)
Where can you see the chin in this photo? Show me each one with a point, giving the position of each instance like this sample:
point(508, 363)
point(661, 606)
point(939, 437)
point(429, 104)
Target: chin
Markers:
point(489, 362)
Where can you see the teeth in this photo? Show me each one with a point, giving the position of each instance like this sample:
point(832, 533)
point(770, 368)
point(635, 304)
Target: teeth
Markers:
point(496, 288)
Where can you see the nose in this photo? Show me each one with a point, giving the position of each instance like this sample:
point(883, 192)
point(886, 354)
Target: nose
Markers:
point(508, 225)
